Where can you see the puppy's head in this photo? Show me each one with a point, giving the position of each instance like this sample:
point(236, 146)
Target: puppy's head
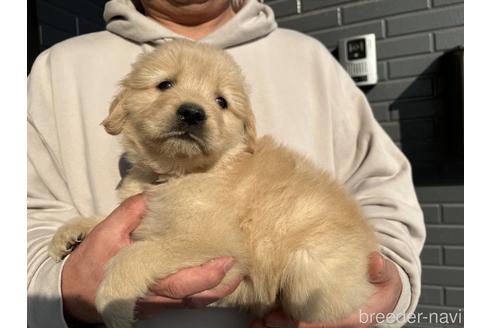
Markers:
point(184, 102)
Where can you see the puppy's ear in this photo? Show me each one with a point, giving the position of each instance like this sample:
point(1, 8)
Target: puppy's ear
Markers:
point(250, 131)
point(113, 124)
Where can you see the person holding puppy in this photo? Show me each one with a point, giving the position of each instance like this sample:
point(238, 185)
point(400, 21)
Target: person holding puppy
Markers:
point(310, 105)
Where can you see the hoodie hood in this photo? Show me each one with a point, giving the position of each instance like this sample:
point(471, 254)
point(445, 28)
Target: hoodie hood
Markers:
point(253, 20)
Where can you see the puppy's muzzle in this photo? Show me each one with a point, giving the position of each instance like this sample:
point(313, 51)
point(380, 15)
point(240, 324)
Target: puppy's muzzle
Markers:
point(191, 114)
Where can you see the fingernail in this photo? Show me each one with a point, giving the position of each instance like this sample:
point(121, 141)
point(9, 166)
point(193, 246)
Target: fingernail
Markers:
point(200, 303)
point(257, 324)
point(229, 264)
point(225, 262)
point(377, 267)
point(382, 271)
point(275, 323)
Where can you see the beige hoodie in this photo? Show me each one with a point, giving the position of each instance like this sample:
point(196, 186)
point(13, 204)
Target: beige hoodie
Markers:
point(300, 95)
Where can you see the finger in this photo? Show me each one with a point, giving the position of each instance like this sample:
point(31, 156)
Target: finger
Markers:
point(210, 296)
point(381, 270)
point(376, 267)
point(126, 217)
point(153, 304)
point(277, 318)
point(257, 323)
point(194, 280)
point(324, 325)
point(351, 322)
point(291, 323)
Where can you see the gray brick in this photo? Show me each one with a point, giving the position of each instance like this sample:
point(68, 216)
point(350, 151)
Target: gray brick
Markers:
point(455, 296)
point(454, 255)
point(330, 37)
point(432, 19)
point(311, 21)
point(404, 46)
point(440, 194)
point(283, 8)
point(413, 66)
point(453, 213)
point(55, 17)
point(382, 71)
point(392, 129)
point(432, 213)
point(444, 235)
point(432, 295)
point(431, 255)
point(442, 276)
point(448, 39)
point(380, 111)
point(315, 4)
point(405, 110)
point(401, 89)
point(440, 3)
point(374, 9)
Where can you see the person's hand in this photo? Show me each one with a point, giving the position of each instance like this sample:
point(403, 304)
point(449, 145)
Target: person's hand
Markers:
point(191, 288)
point(84, 270)
point(383, 274)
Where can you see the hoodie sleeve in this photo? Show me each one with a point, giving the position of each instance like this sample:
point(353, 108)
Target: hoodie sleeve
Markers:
point(377, 173)
point(49, 203)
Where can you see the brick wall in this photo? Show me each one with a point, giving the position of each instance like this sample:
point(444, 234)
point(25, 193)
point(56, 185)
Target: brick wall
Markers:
point(409, 101)
point(442, 257)
point(412, 104)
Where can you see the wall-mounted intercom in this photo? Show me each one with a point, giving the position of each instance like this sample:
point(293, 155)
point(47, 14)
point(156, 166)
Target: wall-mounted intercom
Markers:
point(358, 56)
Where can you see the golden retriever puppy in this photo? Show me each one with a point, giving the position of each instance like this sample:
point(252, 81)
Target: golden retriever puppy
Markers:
point(213, 189)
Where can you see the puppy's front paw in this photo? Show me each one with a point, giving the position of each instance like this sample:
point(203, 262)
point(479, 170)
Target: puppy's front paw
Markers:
point(63, 243)
point(69, 236)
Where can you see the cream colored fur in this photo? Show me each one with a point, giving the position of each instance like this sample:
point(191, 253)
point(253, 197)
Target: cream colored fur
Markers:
point(299, 240)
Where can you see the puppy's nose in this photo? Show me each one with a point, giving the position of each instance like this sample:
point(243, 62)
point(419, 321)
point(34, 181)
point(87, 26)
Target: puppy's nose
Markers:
point(191, 114)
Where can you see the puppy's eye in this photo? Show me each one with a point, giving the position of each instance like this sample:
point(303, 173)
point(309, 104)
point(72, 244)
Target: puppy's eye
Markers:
point(222, 102)
point(164, 85)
